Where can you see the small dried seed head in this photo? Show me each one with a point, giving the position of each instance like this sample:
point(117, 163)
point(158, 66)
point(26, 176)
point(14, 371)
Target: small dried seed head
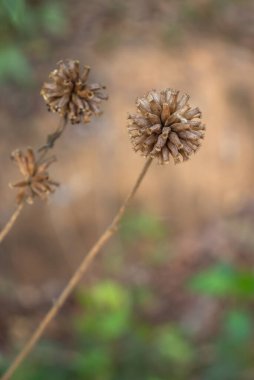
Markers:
point(166, 126)
point(36, 182)
point(69, 94)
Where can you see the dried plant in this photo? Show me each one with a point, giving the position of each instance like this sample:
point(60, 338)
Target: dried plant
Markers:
point(75, 100)
point(165, 126)
point(36, 182)
point(171, 126)
point(69, 94)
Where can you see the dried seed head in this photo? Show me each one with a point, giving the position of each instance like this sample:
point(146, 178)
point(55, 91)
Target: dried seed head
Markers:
point(36, 182)
point(69, 94)
point(165, 126)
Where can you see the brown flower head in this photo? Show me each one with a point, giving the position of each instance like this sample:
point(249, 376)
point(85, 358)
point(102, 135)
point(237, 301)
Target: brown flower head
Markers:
point(36, 181)
point(69, 94)
point(166, 126)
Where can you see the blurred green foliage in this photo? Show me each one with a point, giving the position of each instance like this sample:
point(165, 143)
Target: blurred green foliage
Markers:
point(25, 28)
point(113, 342)
point(232, 348)
point(14, 66)
point(225, 281)
point(114, 337)
point(116, 343)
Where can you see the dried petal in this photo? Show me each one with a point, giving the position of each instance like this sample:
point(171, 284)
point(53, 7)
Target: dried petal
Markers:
point(165, 112)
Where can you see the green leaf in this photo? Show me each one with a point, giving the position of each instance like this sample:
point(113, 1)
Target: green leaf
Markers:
point(174, 346)
point(238, 325)
point(105, 326)
point(106, 294)
point(107, 311)
point(15, 9)
point(94, 363)
point(20, 15)
point(224, 280)
point(15, 66)
point(244, 284)
point(216, 281)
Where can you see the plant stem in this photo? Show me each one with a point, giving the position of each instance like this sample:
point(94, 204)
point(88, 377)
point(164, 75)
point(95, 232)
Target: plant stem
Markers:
point(82, 268)
point(51, 139)
point(11, 222)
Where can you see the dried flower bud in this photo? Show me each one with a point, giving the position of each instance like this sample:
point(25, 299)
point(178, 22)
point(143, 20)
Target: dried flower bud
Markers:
point(70, 95)
point(166, 126)
point(36, 180)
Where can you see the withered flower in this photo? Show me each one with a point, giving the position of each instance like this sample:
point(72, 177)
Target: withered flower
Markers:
point(165, 126)
point(36, 180)
point(69, 94)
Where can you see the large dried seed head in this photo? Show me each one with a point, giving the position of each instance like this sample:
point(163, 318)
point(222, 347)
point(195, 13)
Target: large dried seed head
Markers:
point(69, 94)
point(36, 181)
point(166, 126)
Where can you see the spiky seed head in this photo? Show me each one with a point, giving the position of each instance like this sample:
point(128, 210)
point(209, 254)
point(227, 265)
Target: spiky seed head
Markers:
point(69, 94)
point(166, 126)
point(36, 181)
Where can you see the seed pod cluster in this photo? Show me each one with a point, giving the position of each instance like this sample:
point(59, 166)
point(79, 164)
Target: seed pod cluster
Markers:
point(69, 94)
point(166, 126)
point(36, 182)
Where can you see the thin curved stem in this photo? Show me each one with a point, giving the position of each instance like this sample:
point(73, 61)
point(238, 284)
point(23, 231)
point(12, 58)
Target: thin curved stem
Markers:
point(11, 222)
point(87, 260)
point(52, 138)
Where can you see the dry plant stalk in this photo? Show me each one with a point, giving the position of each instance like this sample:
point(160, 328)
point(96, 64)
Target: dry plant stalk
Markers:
point(81, 270)
point(35, 183)
point(75, 100)
point(7, 228)
point(164, 126)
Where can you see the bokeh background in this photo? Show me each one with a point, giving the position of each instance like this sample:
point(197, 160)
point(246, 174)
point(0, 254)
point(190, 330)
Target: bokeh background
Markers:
point(171, 296)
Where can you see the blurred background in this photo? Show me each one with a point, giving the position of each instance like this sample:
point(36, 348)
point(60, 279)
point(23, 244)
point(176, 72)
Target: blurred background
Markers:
point(172, 295)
